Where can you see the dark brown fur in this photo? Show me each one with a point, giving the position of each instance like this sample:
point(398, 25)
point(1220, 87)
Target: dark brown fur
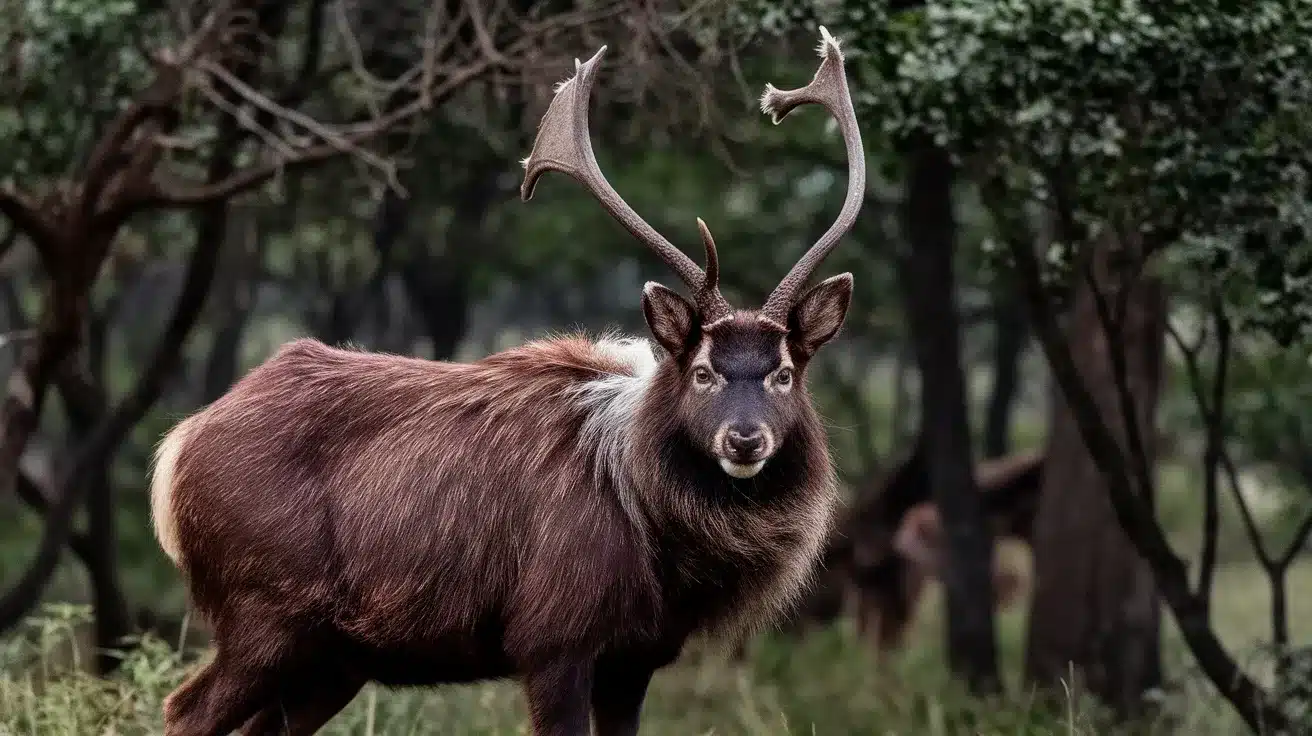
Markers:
point(344, 517)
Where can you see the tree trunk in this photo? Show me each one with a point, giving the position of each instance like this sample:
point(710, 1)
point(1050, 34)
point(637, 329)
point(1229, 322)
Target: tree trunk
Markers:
point(1095, 605)
point(81, 388)
point(929, 290)
point(1009, 340)
point(438, 287)
point(112, 621)
point(236, 300)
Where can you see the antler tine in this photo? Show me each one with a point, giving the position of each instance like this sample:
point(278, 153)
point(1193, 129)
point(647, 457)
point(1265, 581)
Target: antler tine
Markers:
point(710, 302)
point(828, 88)
point(563, 144)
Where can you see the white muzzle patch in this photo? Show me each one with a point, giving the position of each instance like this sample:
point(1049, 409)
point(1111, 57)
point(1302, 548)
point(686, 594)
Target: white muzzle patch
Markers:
point(741, 471)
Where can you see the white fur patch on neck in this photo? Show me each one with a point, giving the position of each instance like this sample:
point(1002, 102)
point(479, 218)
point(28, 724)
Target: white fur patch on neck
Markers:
point(611, 403)
point(634, 352)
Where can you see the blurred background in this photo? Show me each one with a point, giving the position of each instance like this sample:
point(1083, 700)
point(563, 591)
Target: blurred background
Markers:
point(1077, 213)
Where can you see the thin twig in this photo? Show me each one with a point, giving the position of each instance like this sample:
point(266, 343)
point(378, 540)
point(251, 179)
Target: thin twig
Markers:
point(485, 42)
point(342, 143)
point(247, 122)
point(1250, 525)
point(1296, 544)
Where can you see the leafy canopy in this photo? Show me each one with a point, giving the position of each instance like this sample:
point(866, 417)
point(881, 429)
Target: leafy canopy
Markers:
point(1184, 123)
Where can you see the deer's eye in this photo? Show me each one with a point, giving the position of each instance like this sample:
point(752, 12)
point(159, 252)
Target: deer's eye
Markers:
point(702, 377)
point(784, 377)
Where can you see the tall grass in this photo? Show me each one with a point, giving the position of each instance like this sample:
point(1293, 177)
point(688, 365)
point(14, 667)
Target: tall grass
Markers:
point(824, 684)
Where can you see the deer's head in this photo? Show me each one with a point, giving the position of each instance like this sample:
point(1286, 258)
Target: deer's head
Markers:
point(740, 370)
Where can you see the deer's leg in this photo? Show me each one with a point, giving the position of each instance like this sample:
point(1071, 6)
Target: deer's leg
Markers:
point(241, 678)
point(617, 695)
point(867, 615)
point(304, 707)
point(1007, 585)
point(217, 699)
point(558, 697)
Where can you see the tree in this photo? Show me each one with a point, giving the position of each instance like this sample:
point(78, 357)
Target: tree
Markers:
point(929, 285)
point(1095, 604)
point(1142, 132)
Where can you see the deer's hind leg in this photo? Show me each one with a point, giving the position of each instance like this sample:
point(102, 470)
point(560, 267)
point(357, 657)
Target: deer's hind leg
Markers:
point(253, 654)
point(304, 706)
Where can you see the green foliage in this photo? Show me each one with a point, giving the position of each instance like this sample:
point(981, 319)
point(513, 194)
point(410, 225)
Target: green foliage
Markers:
point(1270, 395)
point(70, 65)
point(1178, 123)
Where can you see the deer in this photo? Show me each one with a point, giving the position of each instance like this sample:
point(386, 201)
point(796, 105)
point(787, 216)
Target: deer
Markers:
point(888, 545)
point(566, 514)
point(891, 544)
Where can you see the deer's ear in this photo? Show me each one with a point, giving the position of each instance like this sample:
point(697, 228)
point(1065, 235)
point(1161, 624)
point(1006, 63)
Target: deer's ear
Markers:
point(670, 317)
point(819, 313)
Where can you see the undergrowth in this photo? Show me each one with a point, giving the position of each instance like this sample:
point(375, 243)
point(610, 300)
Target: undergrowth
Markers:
point(824, 684)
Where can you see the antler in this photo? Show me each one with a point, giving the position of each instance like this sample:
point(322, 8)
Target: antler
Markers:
point(563, 145)
point(828, 88)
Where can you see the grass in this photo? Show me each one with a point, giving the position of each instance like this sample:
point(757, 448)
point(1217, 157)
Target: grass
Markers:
point(827, 683)
point(824, 685)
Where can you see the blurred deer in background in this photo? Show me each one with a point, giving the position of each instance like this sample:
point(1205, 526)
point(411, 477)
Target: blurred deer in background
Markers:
point(567, 513)
point(892, 543)
point(887, 546)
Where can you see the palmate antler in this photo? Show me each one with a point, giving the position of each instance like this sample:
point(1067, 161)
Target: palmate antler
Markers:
point(828, 88)
point(563, 144)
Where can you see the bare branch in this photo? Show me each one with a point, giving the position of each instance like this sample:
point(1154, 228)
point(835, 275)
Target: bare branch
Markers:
point(38, 498)
point(425, 71)
point(342, 143)
point(256, 124)
point(25, 216)
point(157, 99)
point(1245, 513)
point(485, 42)
point(184, 195)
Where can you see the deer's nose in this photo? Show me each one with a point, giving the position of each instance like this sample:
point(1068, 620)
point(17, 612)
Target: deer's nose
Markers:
point(745, 442)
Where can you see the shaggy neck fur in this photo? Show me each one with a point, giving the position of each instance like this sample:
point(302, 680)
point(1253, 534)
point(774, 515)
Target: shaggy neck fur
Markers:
point(612, 403)
point(746, 547)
